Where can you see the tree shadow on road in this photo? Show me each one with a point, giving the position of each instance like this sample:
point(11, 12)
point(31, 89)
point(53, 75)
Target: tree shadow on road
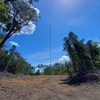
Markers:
point(71, 83)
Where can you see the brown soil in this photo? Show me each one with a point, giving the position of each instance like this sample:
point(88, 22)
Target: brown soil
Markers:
point(46, 88)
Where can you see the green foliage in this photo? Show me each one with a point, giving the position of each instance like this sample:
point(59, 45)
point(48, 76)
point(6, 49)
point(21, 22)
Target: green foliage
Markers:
point(84, 56)
point(37, 72)
point(14, 15)
point(57, 69)
point(3, 11)
point(1, 37)
point(11, 61)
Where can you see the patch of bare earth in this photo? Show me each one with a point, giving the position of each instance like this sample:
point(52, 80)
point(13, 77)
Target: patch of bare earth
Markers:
point(46, 88)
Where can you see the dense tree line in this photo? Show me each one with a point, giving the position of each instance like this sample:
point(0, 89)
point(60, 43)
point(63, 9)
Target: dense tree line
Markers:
point(84, 56)
point(55, 69)
point(59, 69)
point(12, 61)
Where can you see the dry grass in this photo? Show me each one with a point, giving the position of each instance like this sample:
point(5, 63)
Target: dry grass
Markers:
point(52, 87)
point(26, 80)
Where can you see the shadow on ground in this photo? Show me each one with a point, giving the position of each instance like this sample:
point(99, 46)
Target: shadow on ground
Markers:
point(76, 79)
point(71, 83)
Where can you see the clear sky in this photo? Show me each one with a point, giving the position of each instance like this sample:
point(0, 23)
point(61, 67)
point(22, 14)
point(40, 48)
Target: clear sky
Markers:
point(79, 16)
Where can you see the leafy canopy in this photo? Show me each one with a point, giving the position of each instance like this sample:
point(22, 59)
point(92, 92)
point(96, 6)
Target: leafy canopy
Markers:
point(3, 11)
point(20, 14)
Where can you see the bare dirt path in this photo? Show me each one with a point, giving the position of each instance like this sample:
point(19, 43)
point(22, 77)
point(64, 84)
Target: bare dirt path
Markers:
point(46, 88)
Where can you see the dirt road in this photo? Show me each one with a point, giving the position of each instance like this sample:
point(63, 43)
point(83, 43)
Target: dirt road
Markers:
point(46, 88)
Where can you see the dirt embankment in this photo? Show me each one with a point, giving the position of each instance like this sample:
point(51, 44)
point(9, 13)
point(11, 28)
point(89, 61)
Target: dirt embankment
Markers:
point(46, 88)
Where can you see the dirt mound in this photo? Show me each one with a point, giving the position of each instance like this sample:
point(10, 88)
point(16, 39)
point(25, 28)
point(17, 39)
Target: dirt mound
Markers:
point(84, 76)
point(10, 75)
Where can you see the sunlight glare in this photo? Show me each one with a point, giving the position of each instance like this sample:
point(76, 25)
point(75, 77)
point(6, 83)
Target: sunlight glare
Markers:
point(70, 6)
point(67, 1)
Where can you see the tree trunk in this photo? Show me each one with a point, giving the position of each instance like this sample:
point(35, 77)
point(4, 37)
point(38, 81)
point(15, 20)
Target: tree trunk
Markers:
point(6, 37)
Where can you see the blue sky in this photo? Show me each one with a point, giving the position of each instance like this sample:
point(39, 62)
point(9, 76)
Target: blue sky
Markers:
point(79, 16)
